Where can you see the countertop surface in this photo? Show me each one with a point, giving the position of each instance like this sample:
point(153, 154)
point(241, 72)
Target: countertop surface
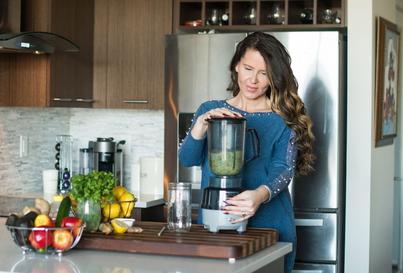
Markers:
point(12, 204)
point(88, 261)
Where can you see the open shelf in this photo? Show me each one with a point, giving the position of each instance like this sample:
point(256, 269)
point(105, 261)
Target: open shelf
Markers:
point(230, 15)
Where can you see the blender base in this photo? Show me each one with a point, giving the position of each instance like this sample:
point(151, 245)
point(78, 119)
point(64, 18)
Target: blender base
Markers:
point(216, 220)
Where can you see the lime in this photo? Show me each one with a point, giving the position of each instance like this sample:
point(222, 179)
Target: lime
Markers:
point(119, 227)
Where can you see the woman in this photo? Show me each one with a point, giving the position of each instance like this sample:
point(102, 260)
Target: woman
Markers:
point(265, 93)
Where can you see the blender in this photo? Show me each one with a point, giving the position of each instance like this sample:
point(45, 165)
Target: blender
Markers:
point(226, 146)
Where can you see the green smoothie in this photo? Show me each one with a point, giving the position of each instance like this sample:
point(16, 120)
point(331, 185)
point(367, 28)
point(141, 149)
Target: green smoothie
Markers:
point(226, 163)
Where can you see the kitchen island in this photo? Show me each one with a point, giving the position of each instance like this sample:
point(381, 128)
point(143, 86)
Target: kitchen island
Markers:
point(88, 261)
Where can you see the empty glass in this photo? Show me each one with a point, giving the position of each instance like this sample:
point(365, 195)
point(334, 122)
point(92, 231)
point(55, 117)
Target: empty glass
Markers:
point(86, 161)
point(179, 206)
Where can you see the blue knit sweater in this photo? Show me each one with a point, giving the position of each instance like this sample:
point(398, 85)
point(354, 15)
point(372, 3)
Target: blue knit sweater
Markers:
point(273, 168)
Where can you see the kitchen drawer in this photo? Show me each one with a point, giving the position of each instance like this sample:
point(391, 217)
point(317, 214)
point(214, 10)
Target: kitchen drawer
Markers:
point(316, 236)
point(314, 268)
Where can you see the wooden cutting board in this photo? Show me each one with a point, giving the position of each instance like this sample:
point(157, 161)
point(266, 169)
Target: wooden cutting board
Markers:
point(197, 242)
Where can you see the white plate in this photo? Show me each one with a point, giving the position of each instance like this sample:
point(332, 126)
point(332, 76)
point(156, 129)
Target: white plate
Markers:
point(128, 221)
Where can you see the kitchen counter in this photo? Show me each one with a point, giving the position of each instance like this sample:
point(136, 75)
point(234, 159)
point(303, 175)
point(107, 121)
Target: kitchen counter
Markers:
point(89, 261)
point(12, 204)
point(148, 200)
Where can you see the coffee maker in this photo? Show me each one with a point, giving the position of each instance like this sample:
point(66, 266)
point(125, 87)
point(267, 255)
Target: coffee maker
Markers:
point(108, 156)
point(226, 146)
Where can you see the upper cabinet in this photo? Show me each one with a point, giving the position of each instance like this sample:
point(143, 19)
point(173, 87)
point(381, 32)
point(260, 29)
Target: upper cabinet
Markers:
point(231, 15)
point(58, 79)
point(129, 48)
point(72, 73)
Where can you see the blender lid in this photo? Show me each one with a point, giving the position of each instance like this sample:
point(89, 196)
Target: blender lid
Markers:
point(228, 119)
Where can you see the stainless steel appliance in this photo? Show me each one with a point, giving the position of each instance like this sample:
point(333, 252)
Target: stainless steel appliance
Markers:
point(197, 70)
point(108, 156)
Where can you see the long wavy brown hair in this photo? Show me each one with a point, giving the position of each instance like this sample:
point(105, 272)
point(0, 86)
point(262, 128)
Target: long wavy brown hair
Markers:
point(282, 92)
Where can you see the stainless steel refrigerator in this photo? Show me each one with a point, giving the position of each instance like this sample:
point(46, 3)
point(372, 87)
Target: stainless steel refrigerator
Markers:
point(197, 69)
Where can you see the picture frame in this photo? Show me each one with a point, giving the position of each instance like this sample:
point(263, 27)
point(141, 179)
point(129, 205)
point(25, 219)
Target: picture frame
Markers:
point(386, 81)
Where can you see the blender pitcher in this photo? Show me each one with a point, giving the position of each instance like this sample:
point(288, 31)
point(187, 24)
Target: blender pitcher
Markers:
point(226, 144)
point(226, 148)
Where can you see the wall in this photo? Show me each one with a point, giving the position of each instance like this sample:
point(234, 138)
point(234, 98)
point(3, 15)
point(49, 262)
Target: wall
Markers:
point(142, 130)
point(398, 230)
point(370, 170)
point(359, 135)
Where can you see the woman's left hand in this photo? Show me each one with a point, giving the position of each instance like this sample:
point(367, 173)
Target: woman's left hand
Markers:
point(246, 203)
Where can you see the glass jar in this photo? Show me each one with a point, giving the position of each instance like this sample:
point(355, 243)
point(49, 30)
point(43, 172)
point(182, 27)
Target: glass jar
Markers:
point(179, 206)
point(90, 212)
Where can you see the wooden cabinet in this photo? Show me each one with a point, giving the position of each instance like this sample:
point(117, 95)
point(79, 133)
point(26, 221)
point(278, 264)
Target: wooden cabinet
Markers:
point(72, 73)
point(129, 50)
point(197, 15)
point(59, 79)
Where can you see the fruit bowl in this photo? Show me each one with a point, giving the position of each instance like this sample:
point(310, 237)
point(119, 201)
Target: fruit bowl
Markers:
point(46, 240)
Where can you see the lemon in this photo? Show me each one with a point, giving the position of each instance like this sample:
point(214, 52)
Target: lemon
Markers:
point(119, 226)
point(126, 204)
point(127, 196)
point(118, 191)
point(111, 210)
point(127, 208)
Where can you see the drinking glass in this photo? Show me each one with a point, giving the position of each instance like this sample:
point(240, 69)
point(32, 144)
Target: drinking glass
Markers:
point(179, 206)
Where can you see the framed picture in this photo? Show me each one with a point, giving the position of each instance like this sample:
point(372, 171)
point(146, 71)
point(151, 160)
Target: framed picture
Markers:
point(386, 81)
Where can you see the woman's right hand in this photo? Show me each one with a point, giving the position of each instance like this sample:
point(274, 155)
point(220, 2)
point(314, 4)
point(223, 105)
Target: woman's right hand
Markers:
point(200, 128)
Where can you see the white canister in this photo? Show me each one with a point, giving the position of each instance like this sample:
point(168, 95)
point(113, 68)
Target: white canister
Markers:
point(134, 184)
point(152, 175)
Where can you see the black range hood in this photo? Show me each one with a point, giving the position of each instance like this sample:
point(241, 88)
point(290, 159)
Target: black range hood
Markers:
point(35, 42)
point(13, 41)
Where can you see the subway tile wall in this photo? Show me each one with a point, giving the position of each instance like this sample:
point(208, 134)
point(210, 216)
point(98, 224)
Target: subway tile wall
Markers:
point(141, 129)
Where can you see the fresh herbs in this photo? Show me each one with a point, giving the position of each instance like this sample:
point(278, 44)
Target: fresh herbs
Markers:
point(96, 186)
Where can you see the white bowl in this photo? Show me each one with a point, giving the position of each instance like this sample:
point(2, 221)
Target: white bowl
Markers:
point(128, 221)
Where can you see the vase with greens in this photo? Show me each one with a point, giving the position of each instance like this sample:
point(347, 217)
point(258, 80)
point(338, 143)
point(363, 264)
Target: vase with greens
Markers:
point(91, 191)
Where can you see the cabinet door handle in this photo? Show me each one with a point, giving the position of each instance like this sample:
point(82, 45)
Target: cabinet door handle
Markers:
point(306, 271)
point(85, 100)
point(136, 101)
point(309, 222)
point(63, 99)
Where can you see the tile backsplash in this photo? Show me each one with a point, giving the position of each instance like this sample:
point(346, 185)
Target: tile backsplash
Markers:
point(143, 131)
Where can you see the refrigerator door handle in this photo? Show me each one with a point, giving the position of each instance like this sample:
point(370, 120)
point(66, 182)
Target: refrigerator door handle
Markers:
point(309, 223)
point(307, 271)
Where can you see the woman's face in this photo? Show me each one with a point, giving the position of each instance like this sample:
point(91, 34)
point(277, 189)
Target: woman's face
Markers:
point(252, 75)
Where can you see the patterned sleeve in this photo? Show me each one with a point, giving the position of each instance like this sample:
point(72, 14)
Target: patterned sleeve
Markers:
point(282, 166)
point(192, 151)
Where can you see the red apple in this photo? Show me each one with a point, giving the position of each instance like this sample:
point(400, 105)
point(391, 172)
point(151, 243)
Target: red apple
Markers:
point(40, 237)
point(72, 222)
point(43, 220)
point(62, 239)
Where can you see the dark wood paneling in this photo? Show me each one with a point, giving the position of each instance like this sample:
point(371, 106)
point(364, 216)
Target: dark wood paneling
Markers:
point(100, 53)
point(71, 73)
point(5, 64)
point(135, 45)
point(29, 77)
point(35, 15)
